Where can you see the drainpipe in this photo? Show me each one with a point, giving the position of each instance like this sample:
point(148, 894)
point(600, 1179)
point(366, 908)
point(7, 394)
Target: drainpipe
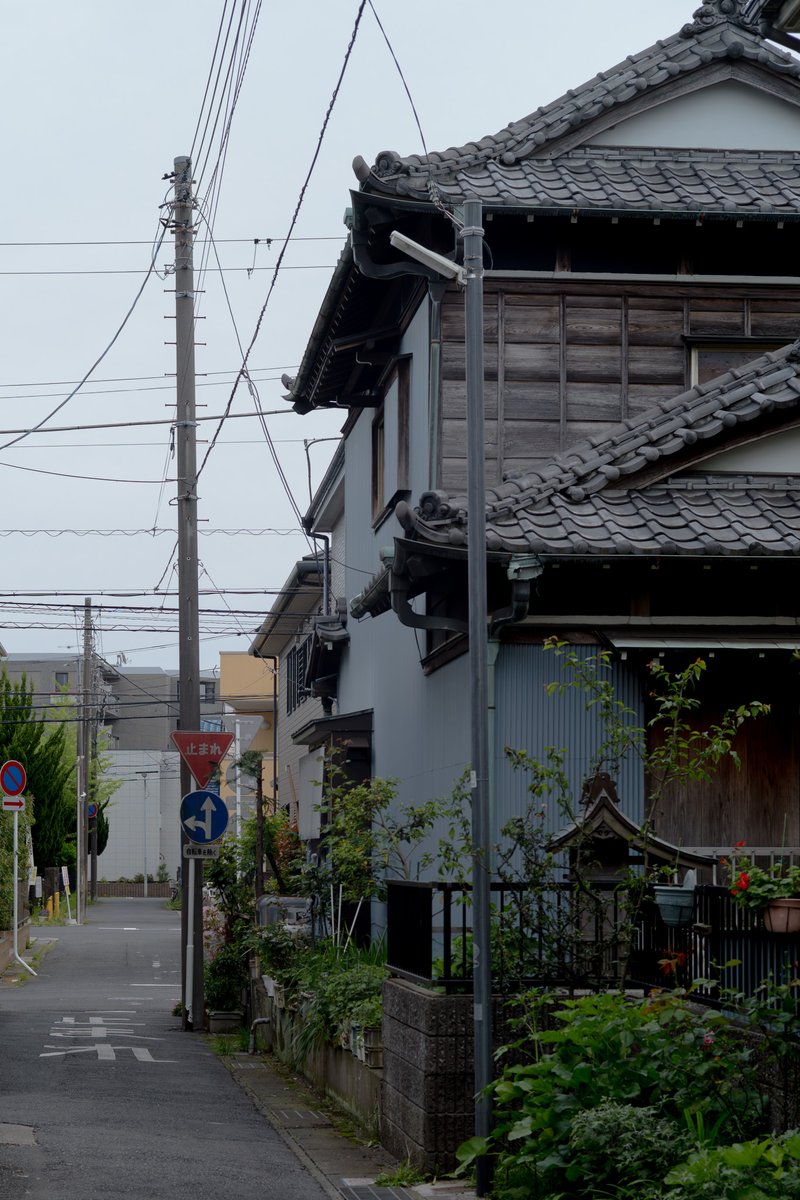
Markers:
point(326, 563)
point(251, 1045)
point(435, 292)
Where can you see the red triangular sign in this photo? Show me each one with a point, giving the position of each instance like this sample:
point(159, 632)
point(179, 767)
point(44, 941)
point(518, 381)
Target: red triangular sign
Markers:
point(201, 751)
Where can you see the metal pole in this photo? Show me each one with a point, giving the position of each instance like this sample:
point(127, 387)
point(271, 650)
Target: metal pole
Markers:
point(16, 896)
point(237, 751)
point(476, 583)
point(188, 618)
point(144, 835)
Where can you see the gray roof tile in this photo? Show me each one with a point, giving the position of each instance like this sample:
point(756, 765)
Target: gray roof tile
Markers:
point(588, 501)
point(719, 32)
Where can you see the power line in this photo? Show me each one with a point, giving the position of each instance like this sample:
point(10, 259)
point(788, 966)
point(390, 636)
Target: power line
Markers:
point(214, 270)
point(292, 223)
point(100, 357)
point(154, 532)
point(148, 242)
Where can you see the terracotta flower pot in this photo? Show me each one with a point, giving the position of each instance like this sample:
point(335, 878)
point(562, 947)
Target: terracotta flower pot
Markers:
point(783, 916)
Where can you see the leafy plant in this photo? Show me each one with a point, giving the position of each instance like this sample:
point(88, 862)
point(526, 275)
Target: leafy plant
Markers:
point(225, 978)
point(657, 1054)
point(756, 887)
point(760, 1169)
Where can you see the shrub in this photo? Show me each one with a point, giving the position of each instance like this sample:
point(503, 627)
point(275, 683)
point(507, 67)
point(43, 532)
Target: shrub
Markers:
point(657, 1054)
point(766, 1169)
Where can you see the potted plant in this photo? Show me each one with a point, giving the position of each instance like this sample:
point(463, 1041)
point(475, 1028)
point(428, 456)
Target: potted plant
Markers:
point(774, 890)
point(225, 981)
point(675, 902)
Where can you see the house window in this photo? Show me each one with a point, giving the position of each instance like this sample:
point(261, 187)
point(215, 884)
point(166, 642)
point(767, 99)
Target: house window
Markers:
point(209, 691)
point(710, 359)
point(62, 678)
point(296, 663)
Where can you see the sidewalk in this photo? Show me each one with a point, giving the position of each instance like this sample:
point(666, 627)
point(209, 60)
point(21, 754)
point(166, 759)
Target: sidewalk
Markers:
point(343, 1167)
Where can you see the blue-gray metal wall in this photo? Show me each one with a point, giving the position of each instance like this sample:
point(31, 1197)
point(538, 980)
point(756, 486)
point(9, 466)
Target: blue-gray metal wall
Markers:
point(529, 719)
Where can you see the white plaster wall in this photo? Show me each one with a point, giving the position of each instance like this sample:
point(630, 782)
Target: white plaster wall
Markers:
point(143, 820)
point(725, 116)
point(776, 455)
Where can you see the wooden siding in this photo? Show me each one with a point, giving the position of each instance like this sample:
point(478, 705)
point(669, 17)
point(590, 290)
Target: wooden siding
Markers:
point(567, 360)
point(756, 802)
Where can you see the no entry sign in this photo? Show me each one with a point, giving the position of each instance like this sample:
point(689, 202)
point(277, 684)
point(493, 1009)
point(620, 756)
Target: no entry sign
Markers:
point(12, 778)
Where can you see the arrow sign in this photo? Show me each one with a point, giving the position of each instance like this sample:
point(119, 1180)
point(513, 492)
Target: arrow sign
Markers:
point(13, 804)
point(202, 752)
point(12, 778)
point(204, 816)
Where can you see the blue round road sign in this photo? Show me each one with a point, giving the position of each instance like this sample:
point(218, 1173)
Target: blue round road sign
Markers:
point(12, 778)
point(204, 816)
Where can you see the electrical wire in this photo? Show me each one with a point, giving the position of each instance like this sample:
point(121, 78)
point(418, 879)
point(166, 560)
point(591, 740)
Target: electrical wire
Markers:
point(98, 360)
point(148, 242)
point(292, 224)
point(153, 532)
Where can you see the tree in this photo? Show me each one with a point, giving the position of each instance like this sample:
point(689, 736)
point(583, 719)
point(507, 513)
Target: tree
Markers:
point(40, 749)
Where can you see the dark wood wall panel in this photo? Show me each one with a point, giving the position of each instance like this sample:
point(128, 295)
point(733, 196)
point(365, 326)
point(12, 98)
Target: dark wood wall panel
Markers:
point(529, 320)
point(598, 325)
point(655, 323)
point(657, 365)
point(593, 402)
point(771, 319)
point(715, 317)
point(531, 401)
point(598, 363)
point(454, 399)
point(569, 358)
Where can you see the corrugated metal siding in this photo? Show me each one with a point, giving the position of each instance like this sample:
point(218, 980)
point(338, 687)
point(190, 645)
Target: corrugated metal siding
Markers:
point(528, 719)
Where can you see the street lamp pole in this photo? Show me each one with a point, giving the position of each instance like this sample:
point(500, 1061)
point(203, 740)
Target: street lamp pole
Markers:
point(470, 277)
point(144, 775)
point(472, 235)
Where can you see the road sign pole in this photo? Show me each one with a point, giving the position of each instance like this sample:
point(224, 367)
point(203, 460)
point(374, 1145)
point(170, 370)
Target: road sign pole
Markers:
point(15, 945)
point(188, 1001)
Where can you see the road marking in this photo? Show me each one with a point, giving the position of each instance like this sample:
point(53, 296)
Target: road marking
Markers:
point(98, 1029)
point(172, 985)
point(106, 1053)
point(156, 965)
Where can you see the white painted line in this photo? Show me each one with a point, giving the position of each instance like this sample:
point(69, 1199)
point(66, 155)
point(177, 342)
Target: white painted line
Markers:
point(156, 965)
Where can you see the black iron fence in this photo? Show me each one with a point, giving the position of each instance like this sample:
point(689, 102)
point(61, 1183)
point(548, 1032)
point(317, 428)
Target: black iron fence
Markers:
point(584, 938)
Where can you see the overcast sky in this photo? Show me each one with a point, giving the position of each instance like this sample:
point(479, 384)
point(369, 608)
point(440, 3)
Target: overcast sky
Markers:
point(99, 98)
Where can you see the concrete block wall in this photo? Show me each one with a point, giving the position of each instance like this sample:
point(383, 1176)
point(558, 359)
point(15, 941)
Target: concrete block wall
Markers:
point(427, 1099)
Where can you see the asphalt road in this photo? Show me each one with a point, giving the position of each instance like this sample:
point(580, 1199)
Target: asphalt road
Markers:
point(101, 1093)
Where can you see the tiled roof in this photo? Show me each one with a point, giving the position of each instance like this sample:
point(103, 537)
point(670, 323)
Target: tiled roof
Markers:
point(718, 33)
point(631, 491)
point(654, 180)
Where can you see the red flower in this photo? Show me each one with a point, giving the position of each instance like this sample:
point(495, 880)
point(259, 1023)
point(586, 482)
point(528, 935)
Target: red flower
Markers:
point(739, 845)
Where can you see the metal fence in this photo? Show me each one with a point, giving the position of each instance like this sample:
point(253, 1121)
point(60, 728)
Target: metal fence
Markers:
point(568, 937)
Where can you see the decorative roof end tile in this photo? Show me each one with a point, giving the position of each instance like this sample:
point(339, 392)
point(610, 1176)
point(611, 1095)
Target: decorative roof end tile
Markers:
point(718, 12)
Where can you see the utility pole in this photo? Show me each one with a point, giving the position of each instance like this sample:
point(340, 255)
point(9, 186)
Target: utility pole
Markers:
point(83, 748)
point(188, 617)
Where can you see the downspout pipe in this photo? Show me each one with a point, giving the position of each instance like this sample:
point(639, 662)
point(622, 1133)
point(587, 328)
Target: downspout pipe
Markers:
point(436, 293)
point(326, 562)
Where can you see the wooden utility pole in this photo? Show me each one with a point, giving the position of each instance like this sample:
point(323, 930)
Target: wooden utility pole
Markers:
point(188, 617)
